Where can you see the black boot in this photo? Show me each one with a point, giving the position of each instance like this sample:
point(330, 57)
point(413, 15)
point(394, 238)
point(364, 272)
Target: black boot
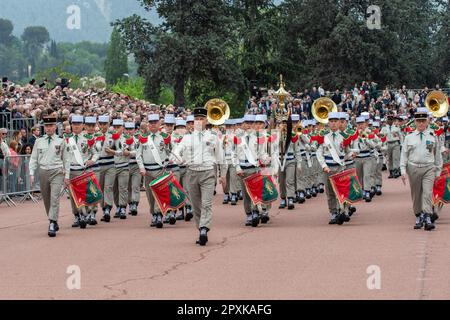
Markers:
point(351, 210)
point(321, 188)
point(378, 191)
point(159, 222)
point(123, 213)
point(314, 191)
point(52, 229)
point(203, 237)
point(301, 196)
point(189, 214)
point(428, 224)
point(291, 205)
point(367, 196)
point(83, 221)
point(248, 220)
point(76, 222)
point(117, 214)
point(241, 195)
point(233, 199)
point(226, 198)
point(106, 214)
point(419, 221)
point(154, 219)
point(391, 174)
point(255, 218)
point(180, 216)
point(282, 204)
point(308, 193)
point(172, 219)
point(372, 192)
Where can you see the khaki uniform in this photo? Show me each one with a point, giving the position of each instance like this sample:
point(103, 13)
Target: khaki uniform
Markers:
point(135, 178)
point(153, 166)
point(83, 145)
point(325, 158)
point(183, 172)
point(365, 161)
point(249, 162)
point(122, 165)
point(202, 152)
point(394, 136)
point(287, 175)
point(106, 172)
point(421, 159)
point(49, 157)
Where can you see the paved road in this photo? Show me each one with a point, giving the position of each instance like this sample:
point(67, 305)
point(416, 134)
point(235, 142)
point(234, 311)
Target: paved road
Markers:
point(296, 256)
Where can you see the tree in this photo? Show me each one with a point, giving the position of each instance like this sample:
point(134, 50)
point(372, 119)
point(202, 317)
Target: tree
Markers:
point(6, 29)
point(54, 49)
point(116, 64)
point(34, 39)
point(197, 42)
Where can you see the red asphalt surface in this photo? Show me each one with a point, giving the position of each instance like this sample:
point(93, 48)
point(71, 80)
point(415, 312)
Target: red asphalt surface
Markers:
point(296, 256)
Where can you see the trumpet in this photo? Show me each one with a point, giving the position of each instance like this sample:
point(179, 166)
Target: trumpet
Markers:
point(298, 129)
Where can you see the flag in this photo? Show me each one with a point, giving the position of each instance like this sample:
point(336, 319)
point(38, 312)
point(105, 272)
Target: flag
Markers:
point(347, 186)
point(168, 192)
point(260, 188)
point(441, 187)
point(85, 190)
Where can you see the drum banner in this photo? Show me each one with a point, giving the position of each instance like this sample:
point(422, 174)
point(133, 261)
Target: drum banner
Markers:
point(347, 186)
point(85, 190)
point(168, 192)
point(261, 188)
point(441, 187)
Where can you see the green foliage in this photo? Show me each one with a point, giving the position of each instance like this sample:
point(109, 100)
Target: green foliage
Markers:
point(133, 88)
point(58, 72)
point(6, 29)
point(116, 64)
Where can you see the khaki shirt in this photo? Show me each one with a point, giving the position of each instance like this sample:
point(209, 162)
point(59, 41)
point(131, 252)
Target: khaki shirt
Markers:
point(144, 155)
point(324, 154)
point(258, 151)
point(48, 155)
point(417, 151)
point(393, 133)
point(86, 152)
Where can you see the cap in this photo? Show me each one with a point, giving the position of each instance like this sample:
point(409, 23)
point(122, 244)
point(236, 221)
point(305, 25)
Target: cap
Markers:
point(360, 119)
point(103, 119)
point(169, 119)
point(117, 122)
point(130, 125)
point(249, 118)
point(228, 122)
point(366, 115)
point(295, 117)
point(200, 112)
point(90, 120)
point(77, 119)
point(49, 120)
point(189, 119)
point(333, 116)
point(445, 119)
point(260, 118)
point(313, 122)
point(153, 117)
point(376, 124)
point(180, 123)
point(421, 113)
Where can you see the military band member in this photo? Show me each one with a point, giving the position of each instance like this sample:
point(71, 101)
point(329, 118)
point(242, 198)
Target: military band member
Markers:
point(90, 123)
point(49, 157)
point(331, 155)
point(151, 157)
point(134, 181)
point(201, 151)
point(421, 161)
point(106, 172)
point(177, 137)
point(230, 192)
point(188, 207)
point(380, 150)
point(249, 157)
point(169, 123)
point(393, 134)
point(303, 174)
point(80, 158)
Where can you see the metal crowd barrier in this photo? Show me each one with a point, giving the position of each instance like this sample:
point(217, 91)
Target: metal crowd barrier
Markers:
point(15, 181)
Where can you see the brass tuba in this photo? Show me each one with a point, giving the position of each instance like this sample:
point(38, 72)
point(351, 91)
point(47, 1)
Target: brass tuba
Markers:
point(321, 108)
point(217, 111)
point(437, 103)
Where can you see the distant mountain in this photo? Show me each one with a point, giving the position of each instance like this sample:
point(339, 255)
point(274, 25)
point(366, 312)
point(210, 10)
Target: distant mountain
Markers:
point(63, 17)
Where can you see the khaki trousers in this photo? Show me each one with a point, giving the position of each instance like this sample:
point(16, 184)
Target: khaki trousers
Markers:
point(51, 182)
point(201, 191)
point(120, 188)
point(134, 184)
point(393, 154)
point(364, 172)
point(421, 180)
point(287, 179)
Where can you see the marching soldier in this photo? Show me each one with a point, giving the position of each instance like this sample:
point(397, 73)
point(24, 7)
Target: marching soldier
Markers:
point(89, 125)
point(122, 149)
point(151, 157)
point(331, 155)
point(201, 151)
point(134, 181)
point(81, 157)
point(177, 137)
point(48, 157)
point(290, 162)
point(303, 174)
point(169, 123)
point(188, 207)
point(249, 156)
point(365, 143)
point(379, 151)
point(230, 192)
point(106, 172)
point(421, 160)
point(393, 134)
